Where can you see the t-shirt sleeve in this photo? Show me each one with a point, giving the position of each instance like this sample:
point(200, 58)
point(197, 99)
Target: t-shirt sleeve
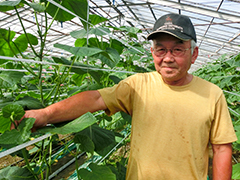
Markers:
point(117, 98)
point(222, 130)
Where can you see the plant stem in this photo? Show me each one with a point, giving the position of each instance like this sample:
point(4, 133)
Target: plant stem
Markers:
point(27, 163)
point(48, 163)
point(25, 31)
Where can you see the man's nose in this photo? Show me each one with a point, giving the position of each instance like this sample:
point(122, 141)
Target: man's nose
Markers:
point(168, 57)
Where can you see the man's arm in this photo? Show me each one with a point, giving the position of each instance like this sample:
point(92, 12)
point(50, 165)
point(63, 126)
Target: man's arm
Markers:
point(68, 109)
point(222, 161)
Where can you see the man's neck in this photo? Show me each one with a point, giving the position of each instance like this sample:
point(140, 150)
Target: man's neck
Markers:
point(181, 82)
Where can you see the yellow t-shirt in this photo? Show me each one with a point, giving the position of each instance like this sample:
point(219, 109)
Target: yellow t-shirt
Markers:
point(171, 125)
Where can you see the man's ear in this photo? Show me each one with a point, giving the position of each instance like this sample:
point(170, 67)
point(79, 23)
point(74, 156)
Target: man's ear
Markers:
point(151, 49)
point(194, 55)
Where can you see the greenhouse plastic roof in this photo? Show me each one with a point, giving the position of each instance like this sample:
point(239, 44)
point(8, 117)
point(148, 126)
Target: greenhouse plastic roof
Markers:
point(217, 23)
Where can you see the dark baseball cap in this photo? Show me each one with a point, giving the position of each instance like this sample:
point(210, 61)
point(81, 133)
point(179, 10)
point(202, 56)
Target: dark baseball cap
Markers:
point(177, 25)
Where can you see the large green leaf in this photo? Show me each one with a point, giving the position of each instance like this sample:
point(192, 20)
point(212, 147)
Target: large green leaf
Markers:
point(119, 169)
point(37, 7)
point(32, 39)
point(13, 110)
point(25, 128)
point(129, 29)
point(109, 57)
point(86, 144)
point(81, 42)
point(78, 7)
point(15, 137)
point(10, 79)
point(102, 138)
point(74, 126)
point(29, 103)
point(79, 51)
point(96, 19)
point(6, 37)
point(117, 45)
point(26, 102)
point(98, 172)
point(99, 31)
point(5, 124)
point(113, 55)
point(81, 12)
point(236, 171)
point(62, 15)
point(10, 139)
point(9, 5)
point(79, 34)
point(15, 173)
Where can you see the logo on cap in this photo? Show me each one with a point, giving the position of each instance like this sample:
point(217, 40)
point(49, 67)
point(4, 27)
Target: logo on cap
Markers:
point(168, 25)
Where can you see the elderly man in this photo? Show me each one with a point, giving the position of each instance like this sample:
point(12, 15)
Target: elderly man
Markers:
point(175, 115)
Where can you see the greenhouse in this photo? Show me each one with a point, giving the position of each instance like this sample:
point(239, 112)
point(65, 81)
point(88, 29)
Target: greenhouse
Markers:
point(52, 52)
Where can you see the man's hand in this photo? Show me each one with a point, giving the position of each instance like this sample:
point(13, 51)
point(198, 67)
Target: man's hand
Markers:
point(41, 116)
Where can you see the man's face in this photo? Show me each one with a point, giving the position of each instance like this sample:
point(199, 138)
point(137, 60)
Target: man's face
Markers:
point(173, 68)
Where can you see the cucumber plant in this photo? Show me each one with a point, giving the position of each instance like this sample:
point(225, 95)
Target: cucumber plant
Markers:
point(94, 63)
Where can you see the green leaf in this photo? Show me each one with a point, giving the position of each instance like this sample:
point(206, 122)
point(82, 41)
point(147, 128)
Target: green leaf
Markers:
point(5, 124)
point(13, 110)
point(96, 19)
point(4, 34)
point(25, 128)
point(10, 139)
point(117, 45)
point(15, 173)
point(62, 15)
point(9, 5)
point(86, 144)
point(79, 34)
point(115, 79)
point(110, 57)
point(10, 79)
point(114, 56)
point(99, 31)
point(81, 12)
point(26, 102)
point(21, 43)
point(119, 169)
point(102, 138)
point(79, 51)
point(74, 126)
point(99, 172)
point(129, 29)
point(37, 7)
point(80, 42)
point(238, 136)
point(236, 171)
point(6, 37)
point(14, 137)
point(29, 103)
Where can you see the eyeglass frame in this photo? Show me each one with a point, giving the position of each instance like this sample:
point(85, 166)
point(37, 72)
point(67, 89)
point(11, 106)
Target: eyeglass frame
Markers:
point(171, 51)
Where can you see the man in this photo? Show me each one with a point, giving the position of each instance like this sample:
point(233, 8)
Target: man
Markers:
point(174, 114)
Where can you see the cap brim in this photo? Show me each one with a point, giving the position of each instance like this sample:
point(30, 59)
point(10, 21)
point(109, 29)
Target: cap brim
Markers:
point(179, 35)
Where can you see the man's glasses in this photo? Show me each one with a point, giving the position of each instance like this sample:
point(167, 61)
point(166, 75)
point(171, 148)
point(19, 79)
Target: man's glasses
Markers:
point(177, 52)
